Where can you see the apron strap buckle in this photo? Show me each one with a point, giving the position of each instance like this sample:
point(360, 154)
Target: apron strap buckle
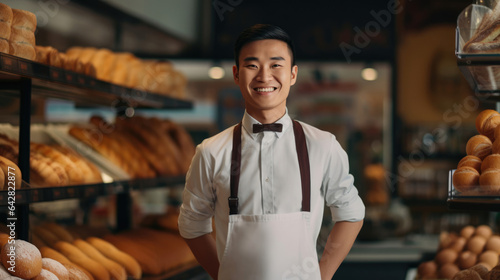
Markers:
point(233, 205)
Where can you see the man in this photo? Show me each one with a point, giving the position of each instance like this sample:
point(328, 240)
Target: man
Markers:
point(266, 185)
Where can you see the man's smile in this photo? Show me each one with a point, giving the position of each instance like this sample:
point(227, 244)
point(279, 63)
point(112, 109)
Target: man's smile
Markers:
point(265, 89)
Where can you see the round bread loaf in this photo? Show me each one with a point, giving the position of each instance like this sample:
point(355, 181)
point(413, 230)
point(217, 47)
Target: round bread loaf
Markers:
point(484, 231)
point(490, 126)
point(465, 179)
point(45, 275)
point(490, 257)
point(55, 267)
point(493, 244)
point(479, 146)
point(24, 258)
point(476, 244)
point(467, 231)
point(491, 161)
point(6, 13)
point(447, 271)
point(489, 181)
point(446, 256)
point(482, 117)
point(427, 269)
point(466, 259)
point(470, 161)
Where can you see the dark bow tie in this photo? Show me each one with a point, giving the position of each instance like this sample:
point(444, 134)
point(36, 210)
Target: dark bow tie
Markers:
point(267, 127)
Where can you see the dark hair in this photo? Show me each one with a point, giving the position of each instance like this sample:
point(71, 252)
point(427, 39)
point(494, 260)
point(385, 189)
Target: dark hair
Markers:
point(262, 32)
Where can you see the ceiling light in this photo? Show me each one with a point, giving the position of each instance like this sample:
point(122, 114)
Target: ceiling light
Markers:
point(369, 74)
point(216, 72)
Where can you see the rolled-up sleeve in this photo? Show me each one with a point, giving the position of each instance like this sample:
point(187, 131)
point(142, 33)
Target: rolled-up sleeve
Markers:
point(198, 199)
point(340, 193)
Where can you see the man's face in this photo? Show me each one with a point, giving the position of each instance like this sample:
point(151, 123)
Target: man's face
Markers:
point(265, 75)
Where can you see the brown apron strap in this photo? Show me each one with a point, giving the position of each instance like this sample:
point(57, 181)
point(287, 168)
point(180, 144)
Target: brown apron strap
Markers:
point(235, 170)
point(303, 157)
point(305, 172)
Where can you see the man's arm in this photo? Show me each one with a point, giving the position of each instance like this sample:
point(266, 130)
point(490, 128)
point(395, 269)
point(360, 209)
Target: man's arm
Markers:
point(337, 247)
point(204, 250)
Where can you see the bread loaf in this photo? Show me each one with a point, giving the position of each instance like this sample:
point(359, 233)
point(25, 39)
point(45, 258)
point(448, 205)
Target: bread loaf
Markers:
point(77, 273)
point(74, 175)
point(131, 266)
point(491, 161)
point(22, 50)
point(60, 232)
point(45, 275)
point(24, 258)
point(115, 270)
point(76, 256)
point(145, 256)
point(6, 16)
point(471, 161)
point(479, 146)
point(490, 181)
point(465, 179)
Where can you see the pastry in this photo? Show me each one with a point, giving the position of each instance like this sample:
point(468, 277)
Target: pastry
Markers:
point(24, 257)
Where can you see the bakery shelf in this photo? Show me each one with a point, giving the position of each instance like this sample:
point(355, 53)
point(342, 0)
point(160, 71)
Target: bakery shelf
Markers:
point(458, 201)
point(27, 195)
point(53, 82)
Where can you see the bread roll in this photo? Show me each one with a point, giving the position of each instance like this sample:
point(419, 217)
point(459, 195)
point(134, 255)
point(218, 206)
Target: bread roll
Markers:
point(76, 256)
point(491, 161)
point(465, 179)
point(489, 181)
point(484, 231)
point(23, 257)
point(489, 257)
point(131, 266)
point(480, 269)
point(479, 146)
point(484, 116)
point(116, 271)
point(74, 174)
point(447, 271)
point(476, 244)
point(5, 31)
point(8, 167)
point(466, 259)
point(45, 275)
point(90, 172)
point(490, 126)
point(470, 161)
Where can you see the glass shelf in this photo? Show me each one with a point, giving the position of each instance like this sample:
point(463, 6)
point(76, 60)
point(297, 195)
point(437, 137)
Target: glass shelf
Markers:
point(459, 201)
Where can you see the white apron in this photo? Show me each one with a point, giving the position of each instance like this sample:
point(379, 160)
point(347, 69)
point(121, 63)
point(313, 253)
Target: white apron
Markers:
point(270, 246)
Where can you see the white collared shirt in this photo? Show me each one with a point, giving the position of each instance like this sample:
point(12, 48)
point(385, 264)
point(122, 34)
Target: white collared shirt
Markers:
point(269, 180)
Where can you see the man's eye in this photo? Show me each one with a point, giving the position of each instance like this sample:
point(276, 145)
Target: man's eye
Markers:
point(251, 66)
point(276, 65)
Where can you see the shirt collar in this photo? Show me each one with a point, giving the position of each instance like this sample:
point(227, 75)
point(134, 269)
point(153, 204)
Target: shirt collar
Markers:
point(248, 122)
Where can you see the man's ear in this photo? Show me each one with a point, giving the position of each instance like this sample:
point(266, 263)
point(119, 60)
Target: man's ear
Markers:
point(295, 72)
point(236, 74)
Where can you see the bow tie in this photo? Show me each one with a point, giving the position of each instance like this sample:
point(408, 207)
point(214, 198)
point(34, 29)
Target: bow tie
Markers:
point(267, 127)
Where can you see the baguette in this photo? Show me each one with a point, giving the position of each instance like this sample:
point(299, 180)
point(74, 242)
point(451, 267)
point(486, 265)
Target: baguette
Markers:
point(60, 232)
point(76, 256)
point(116, 271)
point(131, 266)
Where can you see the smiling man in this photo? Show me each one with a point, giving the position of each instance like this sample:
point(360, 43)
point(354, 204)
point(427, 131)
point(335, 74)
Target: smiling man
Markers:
point(265, 181)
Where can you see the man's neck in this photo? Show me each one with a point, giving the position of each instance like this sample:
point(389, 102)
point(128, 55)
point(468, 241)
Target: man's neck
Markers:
point(266, 117)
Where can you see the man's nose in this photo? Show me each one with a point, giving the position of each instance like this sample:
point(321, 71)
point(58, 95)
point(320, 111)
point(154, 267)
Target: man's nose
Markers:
point(264, 75)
